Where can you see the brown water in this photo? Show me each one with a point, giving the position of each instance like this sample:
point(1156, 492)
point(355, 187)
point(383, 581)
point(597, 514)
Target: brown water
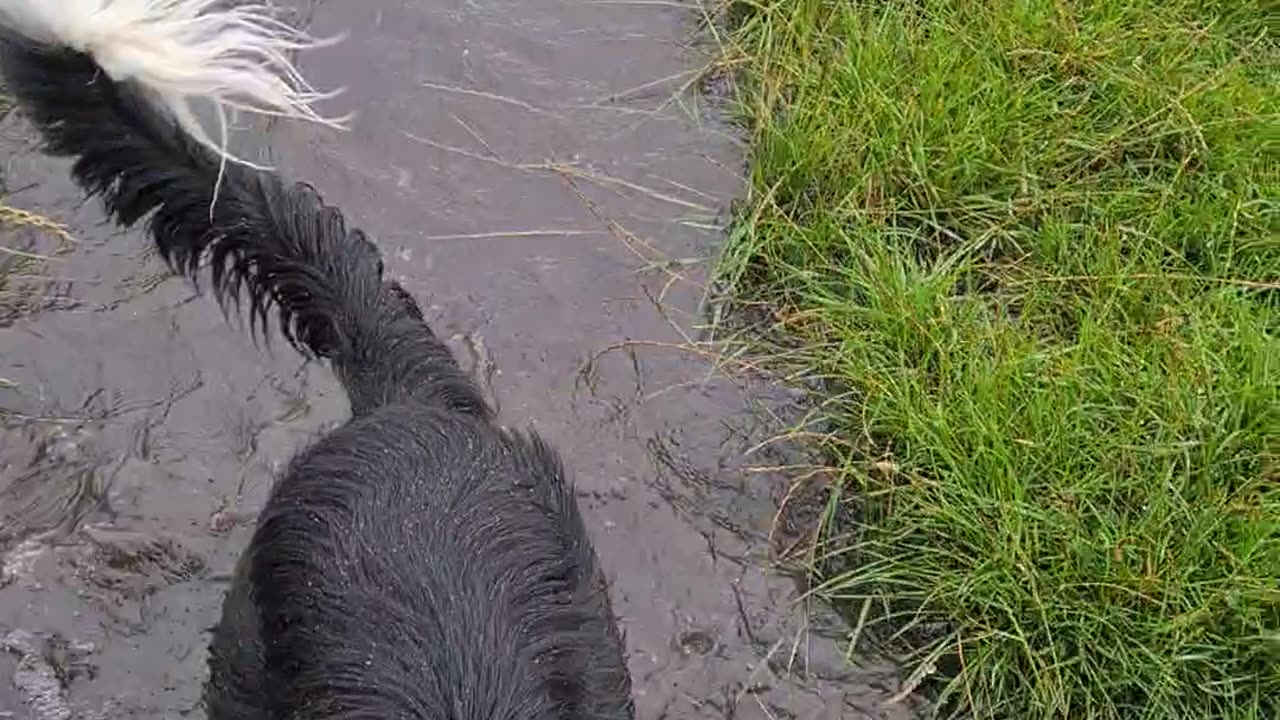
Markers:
point(533, 174)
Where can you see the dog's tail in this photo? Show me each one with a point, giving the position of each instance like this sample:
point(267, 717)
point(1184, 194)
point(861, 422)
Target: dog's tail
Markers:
point(108, 83)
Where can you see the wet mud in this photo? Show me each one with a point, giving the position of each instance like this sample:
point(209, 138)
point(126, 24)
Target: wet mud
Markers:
point(538, 180)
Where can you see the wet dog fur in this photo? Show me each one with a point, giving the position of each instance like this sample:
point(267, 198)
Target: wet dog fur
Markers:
point(417, 562)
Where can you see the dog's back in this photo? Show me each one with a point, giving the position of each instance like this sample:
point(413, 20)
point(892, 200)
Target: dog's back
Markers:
point(418, 562)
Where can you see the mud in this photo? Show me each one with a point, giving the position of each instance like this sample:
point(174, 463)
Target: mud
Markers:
point(535, 175)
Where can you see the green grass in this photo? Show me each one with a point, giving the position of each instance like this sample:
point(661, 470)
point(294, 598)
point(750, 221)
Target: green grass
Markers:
point(1029, 250)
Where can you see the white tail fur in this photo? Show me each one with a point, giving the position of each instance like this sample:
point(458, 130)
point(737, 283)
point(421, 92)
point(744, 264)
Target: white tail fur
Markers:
point(234, 56)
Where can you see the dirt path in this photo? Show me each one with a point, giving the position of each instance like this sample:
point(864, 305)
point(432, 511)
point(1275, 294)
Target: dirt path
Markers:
point(500, 149)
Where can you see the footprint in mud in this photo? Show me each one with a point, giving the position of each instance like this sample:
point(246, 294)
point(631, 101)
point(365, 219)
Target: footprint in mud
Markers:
point(133, 564)
point(49, 481)
point(695, 642)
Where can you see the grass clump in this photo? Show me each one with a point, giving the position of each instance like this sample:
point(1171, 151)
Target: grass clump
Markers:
point(1029, 249)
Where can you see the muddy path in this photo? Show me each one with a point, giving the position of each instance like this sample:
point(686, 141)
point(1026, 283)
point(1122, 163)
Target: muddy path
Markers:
point(525, 170)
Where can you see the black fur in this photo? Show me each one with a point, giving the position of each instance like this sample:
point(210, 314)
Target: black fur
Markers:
point(418, 562)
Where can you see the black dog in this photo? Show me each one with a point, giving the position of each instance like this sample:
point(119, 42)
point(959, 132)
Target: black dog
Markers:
point(418, 562)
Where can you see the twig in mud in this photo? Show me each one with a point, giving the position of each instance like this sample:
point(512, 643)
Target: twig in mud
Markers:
point(628, 239)
point(587, 369)
point(764, 708)
point(471, 131)
point(652, 257)
point(512, 234)
point(655, 258)
point(600, 179)
point(24, 254)
point(762, 666)
point(489, 96)
point(648, 115)
point(468, 153)
point(564, 169)
point(719, 64)
point(661, 3)
point(641, 88)
point(688, 188)
point(25, 218)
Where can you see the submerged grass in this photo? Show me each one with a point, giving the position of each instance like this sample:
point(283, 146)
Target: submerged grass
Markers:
point(1029, 249)
point(19, 256)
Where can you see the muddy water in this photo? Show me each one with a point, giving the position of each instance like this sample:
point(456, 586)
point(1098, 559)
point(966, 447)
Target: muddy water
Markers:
point(528, 174)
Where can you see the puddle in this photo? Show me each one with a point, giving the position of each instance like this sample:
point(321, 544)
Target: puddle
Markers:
point(536, 190)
